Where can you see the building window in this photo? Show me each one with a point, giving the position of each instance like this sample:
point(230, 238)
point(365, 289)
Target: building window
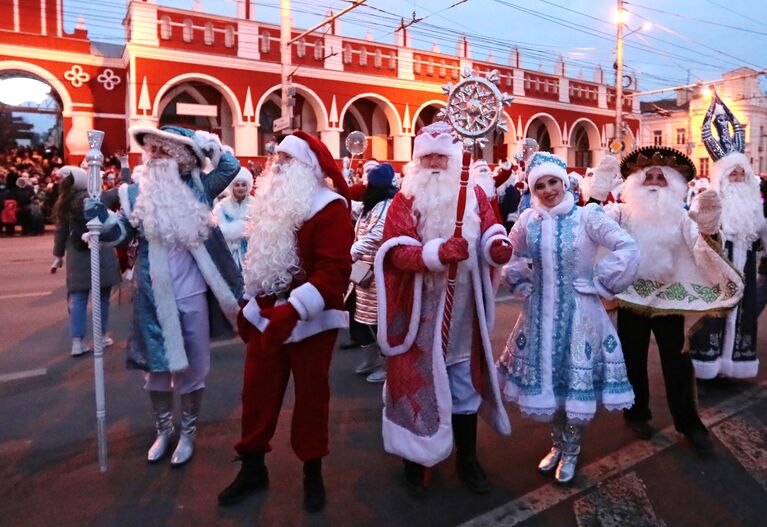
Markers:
point(266, 42)
point(657, 137)
point(703, 167)
point(417, 66)
point(347, 54)
point(430, 68)
point(188, 30)
point(319, 50)
point(681, 136)
point(208, 34)
point(229, 37)
point(363, 56)
point(165, 29)
point(301, 48)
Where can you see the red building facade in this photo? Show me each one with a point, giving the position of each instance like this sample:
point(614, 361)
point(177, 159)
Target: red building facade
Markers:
point(223, 74)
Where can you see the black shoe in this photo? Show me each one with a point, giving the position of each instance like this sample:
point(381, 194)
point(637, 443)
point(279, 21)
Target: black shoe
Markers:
point(414, 479)
point(252, 477)
point(314, 487)
point(641, 429)
point(349, 344)
point(700, 441)
point(467, 464)
point(472, 475)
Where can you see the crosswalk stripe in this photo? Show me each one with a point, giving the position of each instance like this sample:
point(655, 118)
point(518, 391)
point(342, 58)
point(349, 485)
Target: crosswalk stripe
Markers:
point(621, 502)
point(547, 496)
point(8, 377)
point(745, 436)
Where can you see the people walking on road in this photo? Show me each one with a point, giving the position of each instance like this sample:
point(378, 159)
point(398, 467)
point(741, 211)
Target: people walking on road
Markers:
point(368, 234)
point(296, 272)
point(434, 389)
point(232, 213)
point(681, 278)
point(68, 242)
point(726, 346)
point(182, 257)
point(563, 356)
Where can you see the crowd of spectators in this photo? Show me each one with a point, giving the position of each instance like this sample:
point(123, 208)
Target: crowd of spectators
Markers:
point(29, 187)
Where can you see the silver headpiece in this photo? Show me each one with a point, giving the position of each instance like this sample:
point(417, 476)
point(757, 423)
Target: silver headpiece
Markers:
point(722, 119)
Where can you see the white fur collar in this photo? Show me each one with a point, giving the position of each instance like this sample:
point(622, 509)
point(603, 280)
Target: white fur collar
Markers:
point(232, 208)
point(563, 207)
point(322, 198)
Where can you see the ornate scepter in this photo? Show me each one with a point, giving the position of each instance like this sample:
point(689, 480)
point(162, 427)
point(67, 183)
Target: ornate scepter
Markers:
point(474, 110)
point(94, 160)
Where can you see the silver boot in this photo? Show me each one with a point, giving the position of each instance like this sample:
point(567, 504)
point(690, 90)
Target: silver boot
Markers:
point(549, 463)
point(162, 405)
point(190, 411)
point(372, 359)
point(571, 448)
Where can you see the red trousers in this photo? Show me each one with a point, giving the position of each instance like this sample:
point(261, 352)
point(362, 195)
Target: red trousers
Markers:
point(267, 371)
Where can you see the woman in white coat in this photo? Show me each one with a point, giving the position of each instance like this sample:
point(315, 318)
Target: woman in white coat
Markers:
point(232, 213)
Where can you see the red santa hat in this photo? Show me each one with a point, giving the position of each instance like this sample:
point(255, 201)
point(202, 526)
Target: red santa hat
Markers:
point(437, 138)
point(311, 151)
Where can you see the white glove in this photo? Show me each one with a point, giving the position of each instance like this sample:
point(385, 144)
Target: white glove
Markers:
point(706, 211)
point(505, 165)
point(57, 264)
point(523, 290)
point(210, 145)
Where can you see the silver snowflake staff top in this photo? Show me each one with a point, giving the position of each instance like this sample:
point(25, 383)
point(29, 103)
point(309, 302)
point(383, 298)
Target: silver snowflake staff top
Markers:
point(475, 107)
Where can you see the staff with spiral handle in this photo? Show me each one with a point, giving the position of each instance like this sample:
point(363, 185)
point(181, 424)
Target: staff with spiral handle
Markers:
point(94, 160)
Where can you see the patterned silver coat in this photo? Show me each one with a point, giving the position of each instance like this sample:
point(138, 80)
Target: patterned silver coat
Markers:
point(368, 234)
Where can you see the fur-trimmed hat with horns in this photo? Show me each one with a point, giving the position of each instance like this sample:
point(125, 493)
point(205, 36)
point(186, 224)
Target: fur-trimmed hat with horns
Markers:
point(311, 151)
point(203, 145)
point(648, 156)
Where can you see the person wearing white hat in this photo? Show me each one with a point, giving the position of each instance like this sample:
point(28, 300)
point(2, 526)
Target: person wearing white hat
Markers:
point(425, 413)
point(232, 213)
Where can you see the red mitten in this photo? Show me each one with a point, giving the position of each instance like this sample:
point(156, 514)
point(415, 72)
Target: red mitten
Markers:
point(500, 251)
point(454, 250)
point(243, 327)
point(282, 320)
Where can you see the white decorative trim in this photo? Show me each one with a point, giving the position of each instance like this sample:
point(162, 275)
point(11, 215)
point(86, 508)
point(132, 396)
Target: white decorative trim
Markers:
point(431, 256)
point(108, 79)
point(494, 233)
point(167, 310)
point(307, 300)
point(415, 315)
point(76, 76)
point(322, 199)
point(327, 320)
point(122, 193)
point(226, 299)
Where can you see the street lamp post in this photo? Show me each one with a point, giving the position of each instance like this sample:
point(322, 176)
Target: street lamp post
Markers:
point(619, 74)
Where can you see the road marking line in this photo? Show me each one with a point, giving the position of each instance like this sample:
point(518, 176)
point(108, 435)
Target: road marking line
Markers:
point(24, 295)
point(746, 438)
point(8, 377)
point(547, 496)
point(622, 501)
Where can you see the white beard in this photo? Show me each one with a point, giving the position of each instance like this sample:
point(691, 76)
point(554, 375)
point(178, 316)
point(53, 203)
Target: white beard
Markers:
point(283, 202)
point(655, 217)
point(484, 178)
point(742, 213)
point(167, 210)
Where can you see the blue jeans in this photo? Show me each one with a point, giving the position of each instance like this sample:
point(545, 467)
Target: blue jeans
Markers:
point(78, 306)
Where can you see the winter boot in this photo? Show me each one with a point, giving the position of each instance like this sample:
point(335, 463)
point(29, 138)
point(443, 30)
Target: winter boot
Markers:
point(549, 463)
point(571, 448)
point(252, 477)
point(162, 405)
point(190, 412)
point(415, 479)
point(314, 487)
point(379, 375)
point(371, 359)
point(467, 464)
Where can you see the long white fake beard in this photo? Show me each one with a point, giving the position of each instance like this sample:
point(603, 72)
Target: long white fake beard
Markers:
point(166, 210)
point(654, 221)
point(484, 179)
point(283, 202)
point(742, 213)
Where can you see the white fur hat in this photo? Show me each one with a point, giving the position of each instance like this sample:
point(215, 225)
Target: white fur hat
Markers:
point(478, 166)
point(79, 175)
point(722, 168)
point(544, 164)
point(299, 149)
point(437, 138)
point(244, 175)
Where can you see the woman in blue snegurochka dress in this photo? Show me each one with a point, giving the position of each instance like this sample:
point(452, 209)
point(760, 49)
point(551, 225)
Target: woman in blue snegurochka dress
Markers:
point(563, 355)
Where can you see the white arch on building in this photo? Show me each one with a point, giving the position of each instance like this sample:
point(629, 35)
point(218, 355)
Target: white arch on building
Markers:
point(551, 124)
point(193, 92)
point(360, 120)
point(391, 113)
point(595, 140)
point(309, 95)
point(417, 114)
point(225, 91)
point(46, 77)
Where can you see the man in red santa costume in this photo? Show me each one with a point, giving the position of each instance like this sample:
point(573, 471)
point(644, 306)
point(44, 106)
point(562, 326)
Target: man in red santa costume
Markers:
point(480, 174)
point(432, 396)
point(296, 270)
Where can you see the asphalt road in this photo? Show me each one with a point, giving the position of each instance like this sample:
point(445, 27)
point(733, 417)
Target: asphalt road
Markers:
point(49, 474)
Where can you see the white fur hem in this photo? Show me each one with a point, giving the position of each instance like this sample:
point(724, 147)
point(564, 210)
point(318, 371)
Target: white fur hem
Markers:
point(431, 256)
point(424, 450)
point(324, 321)
point(383, 326)
point(490, 236)
point(307, 300)
point(726, 368)
point(217, 284)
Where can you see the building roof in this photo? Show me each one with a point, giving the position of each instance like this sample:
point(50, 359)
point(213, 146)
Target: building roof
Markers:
point(104, 49)
point(664, 107)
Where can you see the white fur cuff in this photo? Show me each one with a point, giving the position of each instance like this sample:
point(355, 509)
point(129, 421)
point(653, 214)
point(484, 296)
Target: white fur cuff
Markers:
point(431, 256)
point(307, 300)
point(603, 291)
point(496, 232)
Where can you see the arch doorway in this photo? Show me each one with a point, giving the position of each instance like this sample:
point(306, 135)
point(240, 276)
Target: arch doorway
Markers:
point(31, 112)
point(377, 119)
point(305, 118)
point(199, 106)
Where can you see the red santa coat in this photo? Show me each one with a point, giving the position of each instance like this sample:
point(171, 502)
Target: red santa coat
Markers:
point(418, 404)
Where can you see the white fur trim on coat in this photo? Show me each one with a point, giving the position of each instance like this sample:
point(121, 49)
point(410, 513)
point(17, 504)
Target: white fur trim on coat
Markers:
point(326, 320)
point(122, 193)
point(226, 299)
point(322, 199)
point(307, 300)
point(431, 256)
point(491, 235)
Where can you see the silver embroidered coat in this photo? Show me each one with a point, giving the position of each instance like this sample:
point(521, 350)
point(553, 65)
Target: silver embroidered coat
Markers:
point(368, 235)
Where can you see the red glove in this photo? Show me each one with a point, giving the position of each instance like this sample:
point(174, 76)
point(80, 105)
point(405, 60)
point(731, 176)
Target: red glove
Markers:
point(500, 251)
point(282, 320)
point(454, 250)
point(243, 327)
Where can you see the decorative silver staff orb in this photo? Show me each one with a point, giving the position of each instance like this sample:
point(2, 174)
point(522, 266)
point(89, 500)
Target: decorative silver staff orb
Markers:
point(475, 107)
point(94, 160)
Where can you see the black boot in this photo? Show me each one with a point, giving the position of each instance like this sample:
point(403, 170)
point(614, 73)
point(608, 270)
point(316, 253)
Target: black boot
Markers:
point(252, 477)
point(467, 464)
point(314, 487)
point(414, 479)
